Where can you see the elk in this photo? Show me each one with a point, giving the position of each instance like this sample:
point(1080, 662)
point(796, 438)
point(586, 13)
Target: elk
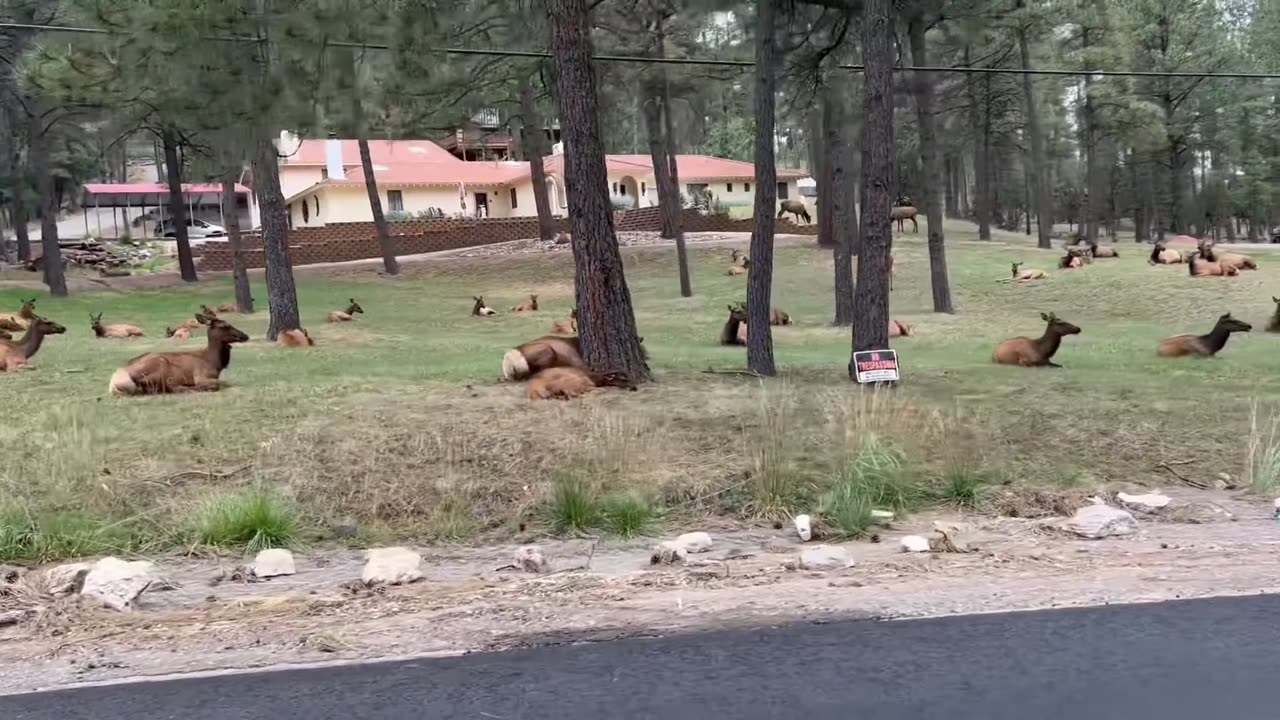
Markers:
point(1102, 252)
point(796, 208)
point(1235, 260)
point(565, 383)
point(1161, 255)
point(901, 214)
point(898, 328)
point(546, 352)
point(1203, 345)
point(1070, 261)
point(1273, 325)
point(15, 354)
point(208, 311)
point(1026, 275)
point(566, 327)
point(227, 308)
point(17, 322)
point(178, 333)
point(1026, 352)
point(192, 324)
point(734, 331)
point(353, 309)
point(480, 309)
point(295, 338)
point(531, 306)
point(779, 317)
point(1205, 268)
point(112, 331)
point(739, 269)
point(4, 335)
point(170, 372)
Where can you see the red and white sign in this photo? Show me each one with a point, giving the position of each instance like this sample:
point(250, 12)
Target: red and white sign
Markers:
point(873, 366)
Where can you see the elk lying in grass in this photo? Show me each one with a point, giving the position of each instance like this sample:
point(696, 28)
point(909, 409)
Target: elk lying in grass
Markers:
point(566, 327)
point(295, 338)
point(353, 309)
point(1273, 325)
point(548, 351)
point(480, 309)
point(170, 372)
point(1235, 260)
point(1198, 267)
point(1038, 352)
point(901, 214)
point(779, 317)
point(1162, 255)
point(112, 331)
point(4, 335)
point(1072, 260)
point(192, 323)
point(898, 328)
point(738, 263)
point(1017, 275)
point(1203, 345)
point(565, 383)
point(1102, 252)
point(17, 322)
point(15, 353)
point(178, 333)
point(796, 208)
point(734, 331)
point(531, 306)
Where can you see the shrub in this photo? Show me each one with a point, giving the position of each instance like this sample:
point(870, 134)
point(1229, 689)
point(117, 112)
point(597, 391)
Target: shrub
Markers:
point(254, 520)
point(573, 506)
point(876, 478)
point(627, 515)
point(1263, 451)
point(59, 535)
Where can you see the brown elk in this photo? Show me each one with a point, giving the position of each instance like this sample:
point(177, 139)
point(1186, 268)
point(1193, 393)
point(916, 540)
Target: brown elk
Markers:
point(739, 267)
point(1026, 275)
point(192, 324)
point(17, 322)
point(1203, 345)
point(566, 327)
point(1039, 352)
point(902, 214)
point(15, 354)
point(4, 335)
point(734, 331)
point(227, 308)
point(1273, 325)
point(1162, 255)
point(480, 309)
point(112, 331)
point(1235, 260)
point(779, 317)
point(1070, 261)
point(796, 208)
point(898, 328)
point(546, 352)
point(1198, 267)
point(169, 372)
point(565, 383)
point(295, 338)
point(208, 311)
point(178, 333)
point(531, 306)
point(1102, 252)
point(353, 309)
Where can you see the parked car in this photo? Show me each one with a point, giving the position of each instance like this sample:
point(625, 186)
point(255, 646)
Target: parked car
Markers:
point(1275, 234)
point(196, 230)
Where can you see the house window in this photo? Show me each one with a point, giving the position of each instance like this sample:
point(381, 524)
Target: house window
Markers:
point(728, 187)
point(615, 188)
point(643, 190)
point(746, 187)
point(395, 201)
point(782, 191)
point(306, 211)
point(623, 190)
point(514, 203)
point(317, 207)
point(696, 189)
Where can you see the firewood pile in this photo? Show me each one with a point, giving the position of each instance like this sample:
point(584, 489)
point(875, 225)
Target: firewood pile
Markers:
point(96, 255)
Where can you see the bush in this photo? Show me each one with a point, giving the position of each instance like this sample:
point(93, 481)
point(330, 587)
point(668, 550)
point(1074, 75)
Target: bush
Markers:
point(627, 515)
point(1263, 451)
point(59, 535)
point(397, 216)
point(877, 478)
point(573, 506)
point(254, 520)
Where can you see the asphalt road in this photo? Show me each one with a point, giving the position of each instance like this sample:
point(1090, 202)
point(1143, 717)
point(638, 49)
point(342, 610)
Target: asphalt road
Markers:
point(1192, 660)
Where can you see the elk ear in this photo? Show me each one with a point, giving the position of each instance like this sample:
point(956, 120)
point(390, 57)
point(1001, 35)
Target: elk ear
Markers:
point(202, 319)
point(1047, 317)
point(1227, 316)
point(1275, 299)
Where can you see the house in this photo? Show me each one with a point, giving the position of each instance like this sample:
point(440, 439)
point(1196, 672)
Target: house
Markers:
point(487, 135)
point(323, 181)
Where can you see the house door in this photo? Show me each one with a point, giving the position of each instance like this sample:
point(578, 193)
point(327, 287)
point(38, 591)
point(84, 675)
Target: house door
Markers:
point(482, 204)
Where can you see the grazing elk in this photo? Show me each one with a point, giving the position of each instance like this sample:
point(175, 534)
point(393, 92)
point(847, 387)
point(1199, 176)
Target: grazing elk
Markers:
point(170, 372)
point(734, 331)
point(566, 327)
point(546, 352)
point(1038, 352)
point(480, 309)
point(1162, 255)
point(15, 353)
point(565, 383)
point(1233, 260)
point(295, 338)
point(17, 322)
point(531, 306)
point(1198, 267)
point(796, 208)
point(1203, 345)
point(901, 214)
point(353, 309)
point(1273, 325)
point(112, 331)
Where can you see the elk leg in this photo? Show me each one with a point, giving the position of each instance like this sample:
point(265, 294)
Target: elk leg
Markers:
point(1052, 364)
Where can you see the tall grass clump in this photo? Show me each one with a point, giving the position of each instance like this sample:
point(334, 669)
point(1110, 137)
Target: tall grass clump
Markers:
point(627, 515)
point(1263, 451)
point(48, 536)
point(255, 520)
point(775, 483)
point(876, 478)
point(573, 506)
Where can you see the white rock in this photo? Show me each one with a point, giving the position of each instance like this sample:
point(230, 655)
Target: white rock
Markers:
point(804, 527)
point(529, 559)
point(1149, 503)
point(1277, 504)
point(1099, 521)
point(62, 578)
point(695, 542)
point(117, 583)
point(881, 517)
point(392, 566)
point(666, 553)
point(273, 563)
point(825, 557)
point(915, 544)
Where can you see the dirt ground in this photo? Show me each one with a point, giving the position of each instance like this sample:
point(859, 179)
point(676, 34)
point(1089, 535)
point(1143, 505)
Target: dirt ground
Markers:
point(600, 591)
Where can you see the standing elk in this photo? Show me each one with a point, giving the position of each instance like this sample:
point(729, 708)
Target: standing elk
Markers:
point(1039, 352)
point(353, 309)
point(112, 331)
point(183, 371)
point(901, 214)
point(796, 208)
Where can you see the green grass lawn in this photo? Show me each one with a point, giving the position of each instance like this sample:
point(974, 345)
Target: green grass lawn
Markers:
point(396, 420)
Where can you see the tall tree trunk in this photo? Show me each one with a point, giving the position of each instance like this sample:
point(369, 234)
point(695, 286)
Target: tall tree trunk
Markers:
point(677, 220)
point(844, 194)
point(1039, 185)
point(535, 147)
point(18, 213)
point(931, 170)
point(1089, 138)
point(670, 211)
point(231, 215)
point(826, 136)
point(38, 149)
point(760, 274)
point(390, 265)
point(606, 321)
point(282, 295)
point(979, 112)
point(177, 208)
point(871, 300)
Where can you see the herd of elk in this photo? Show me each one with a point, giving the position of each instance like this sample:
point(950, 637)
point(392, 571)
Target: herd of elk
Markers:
point(14, 354)
point(1039, 352)
point(353, 309)
point(531, 306)
point(180, 371)
point(112, 331)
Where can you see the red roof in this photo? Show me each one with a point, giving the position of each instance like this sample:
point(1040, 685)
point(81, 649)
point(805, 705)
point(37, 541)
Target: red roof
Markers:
point(152, 188)
point(383, 152)
point(469, 173)
point(692, 167)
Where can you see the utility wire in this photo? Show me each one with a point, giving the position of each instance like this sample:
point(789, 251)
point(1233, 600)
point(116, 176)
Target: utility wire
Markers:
point(714, 62)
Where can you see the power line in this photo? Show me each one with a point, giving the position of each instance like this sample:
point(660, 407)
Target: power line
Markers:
point(712, 62)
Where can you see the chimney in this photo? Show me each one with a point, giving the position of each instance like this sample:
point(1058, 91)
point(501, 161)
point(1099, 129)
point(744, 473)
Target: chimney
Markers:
point(333, 157)
point(288, 144)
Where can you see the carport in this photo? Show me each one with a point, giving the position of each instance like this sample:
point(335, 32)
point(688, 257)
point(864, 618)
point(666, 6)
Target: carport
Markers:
point(156, 196)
